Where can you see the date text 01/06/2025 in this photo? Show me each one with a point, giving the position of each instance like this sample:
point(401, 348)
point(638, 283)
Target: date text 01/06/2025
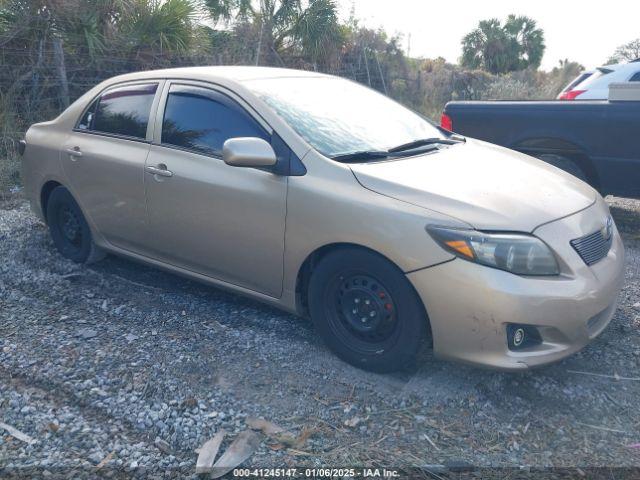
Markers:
point(315, 473)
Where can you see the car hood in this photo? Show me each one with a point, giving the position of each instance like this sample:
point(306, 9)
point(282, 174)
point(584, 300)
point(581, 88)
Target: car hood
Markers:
point(486, 186)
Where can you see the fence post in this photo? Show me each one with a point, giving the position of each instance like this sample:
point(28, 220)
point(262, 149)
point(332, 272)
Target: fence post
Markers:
point(258, 51)
point(35, 85)
point(366, 65)
point(384, 84)
point(58, 58)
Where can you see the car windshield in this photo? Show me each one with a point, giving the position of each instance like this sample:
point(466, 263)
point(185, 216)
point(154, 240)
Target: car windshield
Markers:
point(339, 117)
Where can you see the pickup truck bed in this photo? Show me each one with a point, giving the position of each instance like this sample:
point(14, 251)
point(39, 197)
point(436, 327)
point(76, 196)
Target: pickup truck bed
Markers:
point(598, 141)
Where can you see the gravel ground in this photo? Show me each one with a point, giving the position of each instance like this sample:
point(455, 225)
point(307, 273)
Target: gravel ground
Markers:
point(121, 369)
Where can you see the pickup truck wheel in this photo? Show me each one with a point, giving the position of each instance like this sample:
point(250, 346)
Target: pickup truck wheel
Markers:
point(566, 164)
point(366, 311)
point(69, 230)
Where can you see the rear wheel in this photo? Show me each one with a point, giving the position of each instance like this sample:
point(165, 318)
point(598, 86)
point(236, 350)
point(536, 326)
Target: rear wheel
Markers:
point(68, 228)
point(566, 164)
point(366, 311)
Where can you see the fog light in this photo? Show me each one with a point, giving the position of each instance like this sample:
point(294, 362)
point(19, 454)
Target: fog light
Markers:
point(522, 336)
point(518, 337)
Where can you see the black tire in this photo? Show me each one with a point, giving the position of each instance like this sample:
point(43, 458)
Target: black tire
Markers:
point(387, 340)
point(566, 164)
point(69, 230)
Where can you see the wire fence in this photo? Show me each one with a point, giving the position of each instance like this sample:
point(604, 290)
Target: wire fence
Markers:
point(41, 88)
point(39, 80)
point(84, 71)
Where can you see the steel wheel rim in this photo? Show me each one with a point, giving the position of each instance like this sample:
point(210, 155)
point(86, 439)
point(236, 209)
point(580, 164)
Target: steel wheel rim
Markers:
point(70, 227)
point(361, 312)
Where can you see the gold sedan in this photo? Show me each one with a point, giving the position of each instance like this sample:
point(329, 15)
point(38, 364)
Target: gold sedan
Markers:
point(327, 199)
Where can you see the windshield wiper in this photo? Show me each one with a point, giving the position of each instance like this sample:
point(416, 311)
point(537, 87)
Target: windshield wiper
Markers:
point(398, 151)
point(361, 156)
point(424, 142)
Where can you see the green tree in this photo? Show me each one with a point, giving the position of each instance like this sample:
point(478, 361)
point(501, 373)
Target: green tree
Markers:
point(486, 47)
point(160, 25)
point(497, 48)
point(527, 41)
point(285, 26)
point(317, 31)
point(97, 26)
point(90, 26)
point(371, 56)
point(626, 53)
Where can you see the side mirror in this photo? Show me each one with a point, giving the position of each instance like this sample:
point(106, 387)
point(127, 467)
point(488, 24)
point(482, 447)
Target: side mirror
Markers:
point(248, 152)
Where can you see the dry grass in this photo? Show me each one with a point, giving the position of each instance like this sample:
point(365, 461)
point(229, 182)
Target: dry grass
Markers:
point(9, 174)
point(9, 160)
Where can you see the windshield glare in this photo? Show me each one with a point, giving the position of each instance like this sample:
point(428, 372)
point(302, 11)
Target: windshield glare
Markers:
point(339, 117)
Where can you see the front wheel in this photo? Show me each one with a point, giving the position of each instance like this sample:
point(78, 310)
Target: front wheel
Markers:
point(366, 311)
point(69, 230)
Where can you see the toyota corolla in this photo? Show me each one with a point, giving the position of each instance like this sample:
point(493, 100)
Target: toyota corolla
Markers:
point(329, 200)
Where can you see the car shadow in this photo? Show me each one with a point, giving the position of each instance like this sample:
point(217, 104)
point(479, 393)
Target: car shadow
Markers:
point(627, 219)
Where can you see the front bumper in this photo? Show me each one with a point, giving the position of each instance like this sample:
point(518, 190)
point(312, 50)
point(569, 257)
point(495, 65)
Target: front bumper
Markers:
point(470, 305)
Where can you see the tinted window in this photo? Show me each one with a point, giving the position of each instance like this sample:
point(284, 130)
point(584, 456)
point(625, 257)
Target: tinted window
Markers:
point(598, 74)
point(635, 78)
point(125, 110)
point(202, 119)
point(86, 122)
point(578, 80)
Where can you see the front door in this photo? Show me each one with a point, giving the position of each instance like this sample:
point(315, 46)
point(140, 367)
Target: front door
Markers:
point(104, 157)
point(204, 215)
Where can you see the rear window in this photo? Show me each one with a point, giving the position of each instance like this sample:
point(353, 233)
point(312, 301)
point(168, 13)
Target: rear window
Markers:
point(577, 81)
point(122, 111)
point(86, 122)
point(585, 84)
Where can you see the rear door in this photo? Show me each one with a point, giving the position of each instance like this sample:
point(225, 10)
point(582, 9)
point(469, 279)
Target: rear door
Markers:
point(204, 215)
point(103, 159)
point(619, 154)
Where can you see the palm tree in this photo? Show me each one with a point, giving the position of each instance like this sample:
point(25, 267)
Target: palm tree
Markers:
point(499, 49)
point(160, 26)
point(285, 26)
point(22, 22)
point(91, 26)
point(527, 40)
point(487, 47)
point(98, 27)
point(317, 30)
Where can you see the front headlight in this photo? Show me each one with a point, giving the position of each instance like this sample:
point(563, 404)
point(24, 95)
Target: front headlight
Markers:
point(516, 253)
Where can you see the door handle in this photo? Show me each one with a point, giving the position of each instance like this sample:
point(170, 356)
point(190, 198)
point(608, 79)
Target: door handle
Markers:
point(74, 152)
point(160, 170)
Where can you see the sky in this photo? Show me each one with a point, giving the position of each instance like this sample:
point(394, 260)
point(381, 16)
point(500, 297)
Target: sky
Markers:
point(586, 32)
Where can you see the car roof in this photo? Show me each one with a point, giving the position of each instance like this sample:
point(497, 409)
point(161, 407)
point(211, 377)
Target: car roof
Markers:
point(208, 73)
point(622, 66)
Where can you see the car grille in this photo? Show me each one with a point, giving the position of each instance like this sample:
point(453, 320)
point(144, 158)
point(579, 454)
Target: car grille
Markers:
point(593, 247)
